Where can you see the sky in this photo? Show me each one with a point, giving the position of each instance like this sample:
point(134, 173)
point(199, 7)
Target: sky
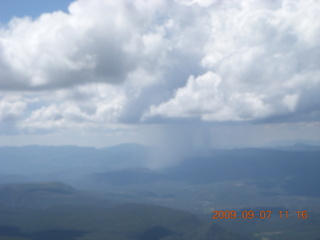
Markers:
point(179, 73)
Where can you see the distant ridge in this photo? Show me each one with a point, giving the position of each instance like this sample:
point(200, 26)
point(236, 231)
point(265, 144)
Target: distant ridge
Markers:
point(41, 195)
point(36, 160)
point(298, 147)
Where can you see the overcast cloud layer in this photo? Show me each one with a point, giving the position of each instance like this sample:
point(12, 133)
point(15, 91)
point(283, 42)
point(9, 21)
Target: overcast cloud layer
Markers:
point(118, 62)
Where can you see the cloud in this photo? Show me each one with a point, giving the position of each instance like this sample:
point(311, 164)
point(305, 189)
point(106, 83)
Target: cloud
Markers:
point(11, 109)
point(91, 105)
point(107, 62)
point(99, 41)
point(260, 63)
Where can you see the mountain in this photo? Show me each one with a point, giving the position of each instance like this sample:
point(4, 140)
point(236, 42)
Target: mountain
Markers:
point(127, 176)
point(53, 163)
point(41, 204)
point(70, 220)
point(211, 232)
point(295, 172)
point(41, 195)
point(298, 147)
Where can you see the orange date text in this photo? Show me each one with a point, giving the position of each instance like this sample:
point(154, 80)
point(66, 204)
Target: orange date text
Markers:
point(232, 214)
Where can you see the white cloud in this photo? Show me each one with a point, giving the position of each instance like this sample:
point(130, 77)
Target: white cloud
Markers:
point(205, 96)
point(108, 62)
point(91, 105)
point(266, 59)
point(98, 41)
point(11, 108)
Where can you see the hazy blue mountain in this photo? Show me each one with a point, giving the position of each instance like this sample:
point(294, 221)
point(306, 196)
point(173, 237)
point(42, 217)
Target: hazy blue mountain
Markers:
point(65, 162)
point(128, 176)
point(68, 220)
point(258, 179)
point(41, 195)
point(297, 172)
point(298, 147)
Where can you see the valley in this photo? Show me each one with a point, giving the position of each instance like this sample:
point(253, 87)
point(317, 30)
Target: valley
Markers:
point(123, 201)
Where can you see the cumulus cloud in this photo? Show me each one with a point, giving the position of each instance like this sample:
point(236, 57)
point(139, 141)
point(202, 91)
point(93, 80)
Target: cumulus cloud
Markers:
point(107, 62)
point(11, 109)
point(261, 61)
point(91, 105)
point(98, 41)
